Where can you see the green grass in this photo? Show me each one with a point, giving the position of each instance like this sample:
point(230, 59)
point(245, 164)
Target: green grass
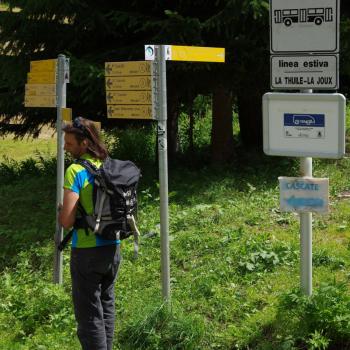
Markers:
point(234, 260)
point(28, 147)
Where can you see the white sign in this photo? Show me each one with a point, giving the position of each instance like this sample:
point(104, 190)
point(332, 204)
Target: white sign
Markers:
point(304, 72)
point(304, 26)
point(304, 125)
point(304, 194)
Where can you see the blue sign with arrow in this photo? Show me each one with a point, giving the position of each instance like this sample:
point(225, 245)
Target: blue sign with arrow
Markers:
point(304, 194)
point(305, 202)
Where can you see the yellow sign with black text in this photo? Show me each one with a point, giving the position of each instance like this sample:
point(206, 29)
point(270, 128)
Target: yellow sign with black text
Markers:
point(129, 97)
point(129, 111)
point(131, 68)
point(40, 101)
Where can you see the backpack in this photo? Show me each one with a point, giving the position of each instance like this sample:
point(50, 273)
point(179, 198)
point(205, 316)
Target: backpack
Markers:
point(114, 201)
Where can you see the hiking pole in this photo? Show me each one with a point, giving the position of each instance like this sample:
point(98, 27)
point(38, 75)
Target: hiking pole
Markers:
point(62, 79)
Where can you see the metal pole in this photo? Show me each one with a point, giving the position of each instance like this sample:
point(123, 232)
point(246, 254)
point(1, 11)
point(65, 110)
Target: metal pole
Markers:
point(163, 171)
point(61, 103)
point(306, 232)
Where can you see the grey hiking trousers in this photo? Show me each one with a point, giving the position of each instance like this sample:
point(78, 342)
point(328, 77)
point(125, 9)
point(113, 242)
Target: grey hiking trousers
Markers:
point(93, 272)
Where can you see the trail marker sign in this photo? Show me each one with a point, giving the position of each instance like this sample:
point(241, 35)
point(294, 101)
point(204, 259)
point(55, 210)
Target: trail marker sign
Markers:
point(188, 53)
point(304, 194)
point(40, 90)
point(304, 26)
point(130, 90)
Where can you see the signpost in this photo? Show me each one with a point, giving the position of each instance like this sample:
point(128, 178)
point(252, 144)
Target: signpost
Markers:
point(137, 90)
point(160, 54)
point(304, 44)
point(46, 87)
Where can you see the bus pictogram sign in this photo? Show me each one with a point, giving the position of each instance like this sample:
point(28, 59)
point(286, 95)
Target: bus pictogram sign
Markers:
point(305, 15)
point(304, 26)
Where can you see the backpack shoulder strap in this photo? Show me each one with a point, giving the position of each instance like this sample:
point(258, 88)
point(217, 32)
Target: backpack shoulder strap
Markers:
point(91, 168)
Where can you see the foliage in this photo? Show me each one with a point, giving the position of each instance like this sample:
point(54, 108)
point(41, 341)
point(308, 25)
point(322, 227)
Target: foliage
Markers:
point(322, 321)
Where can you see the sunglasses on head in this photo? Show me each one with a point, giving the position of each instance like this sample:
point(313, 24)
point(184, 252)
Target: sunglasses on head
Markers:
point(78, 125)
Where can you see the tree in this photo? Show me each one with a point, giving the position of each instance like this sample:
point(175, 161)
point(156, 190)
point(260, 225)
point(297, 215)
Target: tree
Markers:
point(92, 33)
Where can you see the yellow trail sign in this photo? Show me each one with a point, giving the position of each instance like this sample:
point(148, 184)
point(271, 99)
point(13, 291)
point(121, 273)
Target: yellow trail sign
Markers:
point(41, 78)
point(40, 89)
point(129, 97)
point(40, 101)
point(128, 83)
point(43, 66)
point(130, 68)
point(195, 53)
point(66, 114)
point(129, 111)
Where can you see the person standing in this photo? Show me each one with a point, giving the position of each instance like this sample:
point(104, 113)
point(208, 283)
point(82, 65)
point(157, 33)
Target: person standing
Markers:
point(94, 261)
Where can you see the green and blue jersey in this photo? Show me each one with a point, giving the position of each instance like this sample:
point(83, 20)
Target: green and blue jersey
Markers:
point(80, 181)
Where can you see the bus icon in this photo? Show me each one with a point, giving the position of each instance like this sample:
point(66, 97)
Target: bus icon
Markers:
point(303, 119)
point(306, 15)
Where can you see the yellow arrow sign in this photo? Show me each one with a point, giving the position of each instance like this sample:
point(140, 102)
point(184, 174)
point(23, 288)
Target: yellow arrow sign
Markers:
point(66, 114)
point(40, 89)
point(40, 101)
point(129, 97)
point(43, 66)
point(41, 77)
point(128, 83)
point(129, 111)
point(195, 53)
point(127, 68)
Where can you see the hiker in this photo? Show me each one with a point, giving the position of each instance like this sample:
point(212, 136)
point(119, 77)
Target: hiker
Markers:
point(94, 261)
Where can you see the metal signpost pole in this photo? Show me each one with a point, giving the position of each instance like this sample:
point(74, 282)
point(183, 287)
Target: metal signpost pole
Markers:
point(306, 231)
point(163, 170)
point(306, 236)
point(61, 103)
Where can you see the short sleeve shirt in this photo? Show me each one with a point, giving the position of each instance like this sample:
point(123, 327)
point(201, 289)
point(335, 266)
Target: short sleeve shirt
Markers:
point(80, 181)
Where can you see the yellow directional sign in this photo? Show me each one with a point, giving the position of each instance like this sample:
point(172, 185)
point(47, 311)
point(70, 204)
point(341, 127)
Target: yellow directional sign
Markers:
point(42, 77)
point(195, 53)
point(127, 68)
point(43, 66)
point(129, 111)
point(40, 89)
point(40, 101)
point(66, 114)
point(129, 97)
point(128, 83)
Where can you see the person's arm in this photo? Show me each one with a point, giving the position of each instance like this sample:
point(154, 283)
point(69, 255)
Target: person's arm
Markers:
point(69, 208)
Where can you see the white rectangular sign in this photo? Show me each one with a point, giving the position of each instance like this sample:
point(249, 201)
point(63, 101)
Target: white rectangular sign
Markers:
point(304, 72)
point(304, 194)
point(304, 26)
point(304, 125)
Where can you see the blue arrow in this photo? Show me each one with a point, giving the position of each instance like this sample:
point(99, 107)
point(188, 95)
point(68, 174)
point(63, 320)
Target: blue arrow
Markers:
point(305, 202)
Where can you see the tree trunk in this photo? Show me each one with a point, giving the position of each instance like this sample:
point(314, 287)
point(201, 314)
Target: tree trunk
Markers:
point(221, 133)
point(250, 119)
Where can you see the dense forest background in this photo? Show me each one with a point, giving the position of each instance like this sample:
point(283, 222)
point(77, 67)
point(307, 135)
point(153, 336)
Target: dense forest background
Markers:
point(91, 33)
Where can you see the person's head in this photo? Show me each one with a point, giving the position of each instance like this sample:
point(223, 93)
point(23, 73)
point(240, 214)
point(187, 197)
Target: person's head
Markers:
point(81, 137)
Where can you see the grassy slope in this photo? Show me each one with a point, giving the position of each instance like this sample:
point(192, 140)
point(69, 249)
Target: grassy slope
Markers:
point(233, 255)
